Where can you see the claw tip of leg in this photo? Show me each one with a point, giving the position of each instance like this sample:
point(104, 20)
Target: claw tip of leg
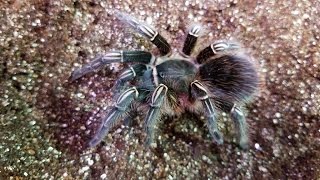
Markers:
point(92, 143)
point(244, 145)
point(118, 13)
point(150, 144)
point(74, 76)
point(219, 142)
point(218, 138)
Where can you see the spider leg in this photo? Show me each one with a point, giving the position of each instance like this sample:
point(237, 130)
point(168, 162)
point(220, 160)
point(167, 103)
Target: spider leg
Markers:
point(147, 31)
point(240, 122)
point(112, 57)
point(114, 114)
point(191, 40)
point(128, 121)
point(199, 91)
point(129, 74)
point(153, 115)
point(214, 49)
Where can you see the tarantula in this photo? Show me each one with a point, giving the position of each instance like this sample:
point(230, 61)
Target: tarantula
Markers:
point(219, 78)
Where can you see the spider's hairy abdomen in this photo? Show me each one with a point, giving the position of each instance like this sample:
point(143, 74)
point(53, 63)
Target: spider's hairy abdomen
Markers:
point(230, 77)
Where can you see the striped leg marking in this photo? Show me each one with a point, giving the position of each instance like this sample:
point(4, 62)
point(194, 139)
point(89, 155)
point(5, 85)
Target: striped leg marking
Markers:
point(191, 40)
point(122, 104)
point(146, 31)
point(112, 57)
point(129, 74)
point(199, 91)
point(154, 115)
point(241, 126)
point(214, 49)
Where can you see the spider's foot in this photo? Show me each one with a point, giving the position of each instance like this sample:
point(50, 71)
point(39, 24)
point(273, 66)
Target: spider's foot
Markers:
point(244, 144)
point(241, 126)
point(150, 143)
point(217, 137)
point(95, 65)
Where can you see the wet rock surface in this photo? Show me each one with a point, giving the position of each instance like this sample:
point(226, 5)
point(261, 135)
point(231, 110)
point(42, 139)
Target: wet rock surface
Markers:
point(46, 120)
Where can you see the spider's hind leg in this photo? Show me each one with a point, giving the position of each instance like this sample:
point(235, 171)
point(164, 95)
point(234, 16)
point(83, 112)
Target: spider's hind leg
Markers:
point(238, 118)
point(241, 126)
point(121, 107)
point(146, 31)
point(215, 49)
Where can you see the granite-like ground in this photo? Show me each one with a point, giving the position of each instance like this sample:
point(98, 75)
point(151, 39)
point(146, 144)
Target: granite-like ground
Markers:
point(45, 120)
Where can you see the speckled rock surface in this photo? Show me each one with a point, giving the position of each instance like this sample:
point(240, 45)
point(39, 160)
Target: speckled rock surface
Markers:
point(46, 120)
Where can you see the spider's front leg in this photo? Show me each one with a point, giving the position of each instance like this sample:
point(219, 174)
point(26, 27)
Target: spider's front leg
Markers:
point(215, 49)
point(114, 114)
point(146, 31)
point(112, 57)
point(199, 91)
point(158, 97)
